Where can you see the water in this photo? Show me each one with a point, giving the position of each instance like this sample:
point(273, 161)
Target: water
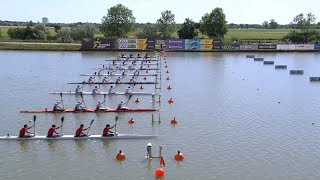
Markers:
point(237, 119)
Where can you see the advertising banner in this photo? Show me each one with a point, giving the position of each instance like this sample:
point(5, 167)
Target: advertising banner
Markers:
point(175, 42)
point(249, 47)
point(207, 47)
point(175, 47)
point(304, 47)
point(286, 47)
point(141, 41)
point(87, 44)
point(127, 41)
point(104, 43)
point(317, 46)
point(151, 44)
point(267, 46)
point(206, 41)
point(127, 46)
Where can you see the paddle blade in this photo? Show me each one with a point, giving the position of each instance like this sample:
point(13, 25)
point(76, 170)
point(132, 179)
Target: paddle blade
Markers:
point(116, 118)
point(34, 118)
point(91, 122)
point(62, 119)
point(61, 95)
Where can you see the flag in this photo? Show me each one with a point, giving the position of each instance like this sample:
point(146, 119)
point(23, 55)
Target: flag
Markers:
point(162, 162)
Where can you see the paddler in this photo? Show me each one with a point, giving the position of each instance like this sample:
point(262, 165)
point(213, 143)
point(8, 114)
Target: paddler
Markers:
point(96, 90)
point(24, 133)
point(99, 106)
point(136, 73)
point(91, 80)
point(112, 90)
point(132, 80)
point(122, 106)
point(52, 131)
point(80, 133)
point(118, 81)
point(105, 80)
point(131, 56)
point(78, 89)
point(78, 107)
point(107, 132)
point(56, 106)
point(128, 90)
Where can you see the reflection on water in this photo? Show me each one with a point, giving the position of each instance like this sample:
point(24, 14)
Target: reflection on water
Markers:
point(23, 145)
point(80, 144)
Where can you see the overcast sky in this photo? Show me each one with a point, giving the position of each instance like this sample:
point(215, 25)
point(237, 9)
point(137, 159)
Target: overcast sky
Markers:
point(237, 11)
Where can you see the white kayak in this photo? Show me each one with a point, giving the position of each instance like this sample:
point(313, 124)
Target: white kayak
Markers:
point(117, 75)
point(102, 93)
point(71, 137)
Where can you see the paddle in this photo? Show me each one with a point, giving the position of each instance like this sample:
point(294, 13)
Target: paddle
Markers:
point(62, 119)
point(34, 125)
point(104, 99)
point(90, 127)
point(61, 100)
point(83, 101)
point(115, 125)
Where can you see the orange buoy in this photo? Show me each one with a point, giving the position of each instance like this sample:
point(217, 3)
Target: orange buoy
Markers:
point(137, 100)
point(168, 78)
point(167, 71)
point(174, 121)
point(145, 78)
point(179, 156)
point(159, 172)
point(170, 101)
point(141, 87)
point(131, 121)
point(169, 87)
point(121, 156)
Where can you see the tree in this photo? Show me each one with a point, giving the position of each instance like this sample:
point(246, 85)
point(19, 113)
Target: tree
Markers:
point(118, 22)
point(149, 31)
point(39, 31)
point(214, 24)
point(265, 24)
point(273, 24)
point(187, 30)
point(307, 32)
point(0, 34)
point(65, 35)
point(166, 24)
point(82, 31)
point(57, 27)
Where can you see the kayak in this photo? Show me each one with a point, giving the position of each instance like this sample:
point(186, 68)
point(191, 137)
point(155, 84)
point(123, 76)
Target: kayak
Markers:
point(117, 75)
point(113, 83)
point(87, 111)
point(123, 59)
point(127, 69)
point(102, 93)
point(71, 137)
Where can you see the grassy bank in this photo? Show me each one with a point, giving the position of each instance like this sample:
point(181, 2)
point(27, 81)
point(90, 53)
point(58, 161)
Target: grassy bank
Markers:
point(40, 46)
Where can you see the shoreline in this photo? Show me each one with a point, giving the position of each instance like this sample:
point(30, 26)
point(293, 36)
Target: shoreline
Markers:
point(77, 47)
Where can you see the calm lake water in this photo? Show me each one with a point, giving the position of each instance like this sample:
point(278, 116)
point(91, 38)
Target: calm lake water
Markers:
point(237, 118)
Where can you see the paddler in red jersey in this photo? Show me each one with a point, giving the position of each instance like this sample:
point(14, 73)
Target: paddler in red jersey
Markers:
point(107, 132)
point(52, 131)
point(24, 133)
point(79, 132)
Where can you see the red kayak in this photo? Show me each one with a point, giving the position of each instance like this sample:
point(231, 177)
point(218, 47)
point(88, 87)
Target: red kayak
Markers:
point(88, 111)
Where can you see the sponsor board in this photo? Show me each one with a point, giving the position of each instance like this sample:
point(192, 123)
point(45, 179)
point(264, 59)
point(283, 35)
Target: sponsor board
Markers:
point(127, 46)
point(304, 47)
point(207, 41)
point(141, 46)
point(249, 47)
point(127, 41)
point(175, 47)
point(141, 41)
point(104, 43)
point(161, 42)
point(177, 42)
point(286, 47)
point(267, 46)
point(207, 47)
point(317, 46)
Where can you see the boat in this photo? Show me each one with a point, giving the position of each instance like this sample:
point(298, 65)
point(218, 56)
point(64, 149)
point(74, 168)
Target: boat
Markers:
point(118, 75)
point(123, 59)
point(71, 137)
point(125, 69)
point(113, 83)
point(89, 111)
point(102, 93)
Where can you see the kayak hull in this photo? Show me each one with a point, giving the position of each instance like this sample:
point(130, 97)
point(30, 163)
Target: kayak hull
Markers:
point(102, 93)
point(89, 111)
point(71, 137)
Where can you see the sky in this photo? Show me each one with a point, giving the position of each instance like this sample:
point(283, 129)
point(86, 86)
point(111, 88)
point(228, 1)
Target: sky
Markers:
point(237, 11)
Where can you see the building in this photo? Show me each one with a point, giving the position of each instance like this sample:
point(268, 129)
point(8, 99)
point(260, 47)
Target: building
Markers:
point(45, 20)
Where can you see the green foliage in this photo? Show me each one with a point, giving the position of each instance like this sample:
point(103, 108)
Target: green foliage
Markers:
point(65, 35)
point(166, 24)
point(273, 24)
point(82, 31)
point(39, 31)
point(265, 24)
point(118, 22)
point(188, 30)
point(307, 29)
point(214, 24)
point(57, 27)
point(21, 33)
point(148, 31)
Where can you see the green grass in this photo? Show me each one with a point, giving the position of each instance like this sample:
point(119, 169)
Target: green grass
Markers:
point(256, 34)
point(5, 36)
point(41, 46)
